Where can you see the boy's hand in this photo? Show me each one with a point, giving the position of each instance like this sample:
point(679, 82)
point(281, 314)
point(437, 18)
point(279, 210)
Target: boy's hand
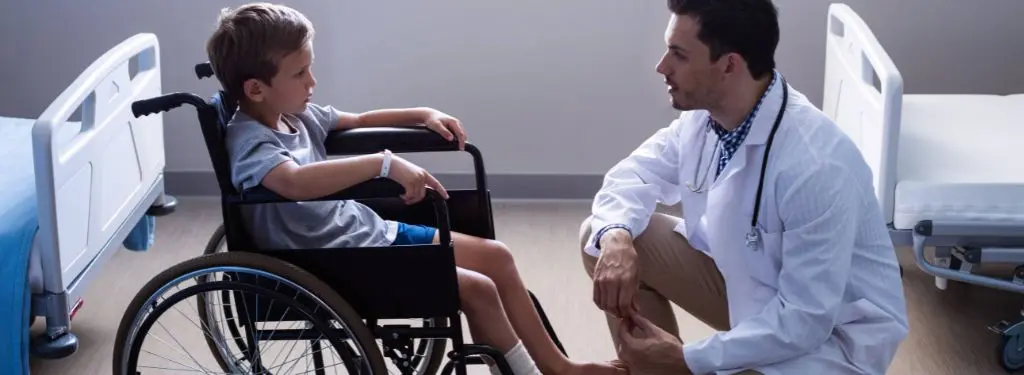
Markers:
point(445, 125)
point(414, 179)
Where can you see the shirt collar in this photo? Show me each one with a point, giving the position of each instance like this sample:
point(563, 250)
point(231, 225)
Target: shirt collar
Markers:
point(744, 127)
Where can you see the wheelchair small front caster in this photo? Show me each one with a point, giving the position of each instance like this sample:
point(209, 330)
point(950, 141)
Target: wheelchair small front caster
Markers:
point(45, 347)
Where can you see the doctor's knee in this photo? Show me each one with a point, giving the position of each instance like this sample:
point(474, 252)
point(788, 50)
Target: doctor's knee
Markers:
point(585, 232)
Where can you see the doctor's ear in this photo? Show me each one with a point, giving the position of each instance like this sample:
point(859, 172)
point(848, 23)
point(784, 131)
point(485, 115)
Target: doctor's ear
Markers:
point(733, 63)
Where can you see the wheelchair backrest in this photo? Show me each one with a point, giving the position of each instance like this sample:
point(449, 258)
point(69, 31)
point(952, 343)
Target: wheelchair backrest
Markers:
point(213, 120)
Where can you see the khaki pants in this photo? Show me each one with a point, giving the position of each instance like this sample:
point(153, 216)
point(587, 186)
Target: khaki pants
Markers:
point(671, 270)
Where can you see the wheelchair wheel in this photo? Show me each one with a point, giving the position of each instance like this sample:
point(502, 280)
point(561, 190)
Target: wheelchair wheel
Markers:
point(425, 359)
point(265, 286)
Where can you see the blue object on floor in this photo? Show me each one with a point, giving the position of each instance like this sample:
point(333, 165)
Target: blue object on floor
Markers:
point(143, 235)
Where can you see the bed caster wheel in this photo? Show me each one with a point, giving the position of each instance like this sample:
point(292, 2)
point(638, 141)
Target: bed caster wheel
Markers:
point(1011, 345)
point(60, 347)
point(1011, 352)
point(170, 203)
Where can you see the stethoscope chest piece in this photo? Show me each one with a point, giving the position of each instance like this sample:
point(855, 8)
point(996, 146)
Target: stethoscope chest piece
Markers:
point(753, 239)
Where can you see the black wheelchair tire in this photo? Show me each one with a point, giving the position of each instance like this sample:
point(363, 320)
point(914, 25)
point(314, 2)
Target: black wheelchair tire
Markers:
point(212, 245)
point(357, 329)
point(434, 359)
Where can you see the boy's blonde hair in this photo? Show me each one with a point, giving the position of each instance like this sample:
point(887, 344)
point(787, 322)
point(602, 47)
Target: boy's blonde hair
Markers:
point(250, 40)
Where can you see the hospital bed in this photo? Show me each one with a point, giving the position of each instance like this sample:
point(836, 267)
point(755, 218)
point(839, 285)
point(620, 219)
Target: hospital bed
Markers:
point(76, 184)
point(948, 169)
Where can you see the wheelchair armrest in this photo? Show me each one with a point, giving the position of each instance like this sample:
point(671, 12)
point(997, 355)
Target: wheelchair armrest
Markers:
point(395, 138)
point(372, 189)
point(375, 188)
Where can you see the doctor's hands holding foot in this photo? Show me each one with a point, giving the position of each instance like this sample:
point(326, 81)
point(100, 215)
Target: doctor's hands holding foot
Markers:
point(649, 350)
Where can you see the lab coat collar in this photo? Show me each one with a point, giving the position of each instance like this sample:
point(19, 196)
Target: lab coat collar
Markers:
point(761, 127)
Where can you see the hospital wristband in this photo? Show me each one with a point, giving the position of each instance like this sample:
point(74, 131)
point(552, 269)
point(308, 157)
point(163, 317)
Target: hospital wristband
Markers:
point(385, 167)
point(597, 238)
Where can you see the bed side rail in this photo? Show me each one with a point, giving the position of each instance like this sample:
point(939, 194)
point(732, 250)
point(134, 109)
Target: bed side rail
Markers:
point(864, 95)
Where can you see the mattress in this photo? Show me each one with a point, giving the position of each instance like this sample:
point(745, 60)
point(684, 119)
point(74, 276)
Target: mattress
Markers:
point(18, 227)
point(961, 158)
point(18, 218)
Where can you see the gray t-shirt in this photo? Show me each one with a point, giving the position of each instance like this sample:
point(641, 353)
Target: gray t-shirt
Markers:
point(254, 149)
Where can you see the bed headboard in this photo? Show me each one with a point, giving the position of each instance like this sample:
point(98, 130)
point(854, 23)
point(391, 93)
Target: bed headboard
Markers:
point(863, 95)
point(90, 173)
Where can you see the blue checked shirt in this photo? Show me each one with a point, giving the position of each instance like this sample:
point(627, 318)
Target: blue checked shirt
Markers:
point(731, 140)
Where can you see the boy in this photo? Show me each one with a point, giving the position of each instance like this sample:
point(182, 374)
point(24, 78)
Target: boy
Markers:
point(262, 55)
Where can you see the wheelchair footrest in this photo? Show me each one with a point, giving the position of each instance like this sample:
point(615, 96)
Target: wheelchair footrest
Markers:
point(478, 355)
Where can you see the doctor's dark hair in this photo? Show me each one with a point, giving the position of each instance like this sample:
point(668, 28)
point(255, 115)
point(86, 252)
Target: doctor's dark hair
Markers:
point(749, 28)
point(250, 41)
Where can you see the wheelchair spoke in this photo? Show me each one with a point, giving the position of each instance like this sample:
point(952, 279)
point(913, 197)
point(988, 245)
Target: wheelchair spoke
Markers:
point(180, 345)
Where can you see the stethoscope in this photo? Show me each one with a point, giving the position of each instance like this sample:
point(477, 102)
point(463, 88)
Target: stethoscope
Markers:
point(754, 236)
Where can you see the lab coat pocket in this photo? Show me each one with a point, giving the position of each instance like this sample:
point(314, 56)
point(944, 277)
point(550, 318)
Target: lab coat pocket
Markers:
point(763, 262)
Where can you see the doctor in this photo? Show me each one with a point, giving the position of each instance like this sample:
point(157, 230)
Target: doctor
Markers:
point(781, 246)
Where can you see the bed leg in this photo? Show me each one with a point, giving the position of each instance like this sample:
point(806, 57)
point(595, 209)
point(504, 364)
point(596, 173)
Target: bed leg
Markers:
point(164, 205)
point(58, 341)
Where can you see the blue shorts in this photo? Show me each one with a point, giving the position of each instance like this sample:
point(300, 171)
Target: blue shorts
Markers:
point(412, 234)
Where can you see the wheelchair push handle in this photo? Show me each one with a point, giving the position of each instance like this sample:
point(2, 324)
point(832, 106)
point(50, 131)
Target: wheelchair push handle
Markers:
point(204, 70)
point(165, 103)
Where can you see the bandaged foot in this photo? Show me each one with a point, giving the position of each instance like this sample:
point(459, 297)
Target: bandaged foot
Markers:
point(519, 360)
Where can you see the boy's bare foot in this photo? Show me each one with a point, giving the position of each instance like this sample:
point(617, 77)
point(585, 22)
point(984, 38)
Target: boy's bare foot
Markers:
point(604, 368)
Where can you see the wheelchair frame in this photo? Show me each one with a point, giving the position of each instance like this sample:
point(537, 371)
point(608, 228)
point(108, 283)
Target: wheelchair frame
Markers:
point(435, 291)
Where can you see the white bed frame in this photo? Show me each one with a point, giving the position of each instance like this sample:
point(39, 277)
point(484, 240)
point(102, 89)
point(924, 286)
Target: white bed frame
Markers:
point(94, 183)
point(864, 96)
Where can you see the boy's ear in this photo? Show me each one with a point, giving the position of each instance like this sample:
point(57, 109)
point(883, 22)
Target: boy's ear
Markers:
point(253, 89)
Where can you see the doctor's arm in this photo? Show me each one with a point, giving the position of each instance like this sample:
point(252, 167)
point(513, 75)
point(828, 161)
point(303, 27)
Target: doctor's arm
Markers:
point(818, 206)
point(633, 187)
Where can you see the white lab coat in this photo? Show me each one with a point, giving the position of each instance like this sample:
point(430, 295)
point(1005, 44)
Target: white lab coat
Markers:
point(824, 294)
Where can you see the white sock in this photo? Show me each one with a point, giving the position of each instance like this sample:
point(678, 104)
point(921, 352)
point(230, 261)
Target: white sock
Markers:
point(519, 360)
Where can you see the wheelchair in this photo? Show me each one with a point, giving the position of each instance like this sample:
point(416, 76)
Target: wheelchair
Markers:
point(333, 298)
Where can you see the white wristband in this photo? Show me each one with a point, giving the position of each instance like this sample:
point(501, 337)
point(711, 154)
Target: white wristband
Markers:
point(385, 167)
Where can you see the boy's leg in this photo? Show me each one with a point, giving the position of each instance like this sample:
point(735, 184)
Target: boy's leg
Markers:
point(494, 260)
point(488, 323)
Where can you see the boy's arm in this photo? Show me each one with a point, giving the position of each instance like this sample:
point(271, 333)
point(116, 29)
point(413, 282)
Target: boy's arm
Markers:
point(305, 182)
point(382, 117)
point(447, 126)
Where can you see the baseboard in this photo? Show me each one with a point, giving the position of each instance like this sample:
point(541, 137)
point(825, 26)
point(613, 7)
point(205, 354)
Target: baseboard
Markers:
point(502, 186)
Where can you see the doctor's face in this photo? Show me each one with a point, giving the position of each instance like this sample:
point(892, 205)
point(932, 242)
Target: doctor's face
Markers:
point(693, 79)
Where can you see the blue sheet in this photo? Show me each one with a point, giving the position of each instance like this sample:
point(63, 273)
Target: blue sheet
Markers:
point(18, 225)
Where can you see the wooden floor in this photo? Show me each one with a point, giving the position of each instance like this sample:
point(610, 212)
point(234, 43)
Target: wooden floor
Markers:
point(948, 333)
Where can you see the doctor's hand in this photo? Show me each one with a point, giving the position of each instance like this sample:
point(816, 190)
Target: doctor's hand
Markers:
point(648, 349)
point(616, 275)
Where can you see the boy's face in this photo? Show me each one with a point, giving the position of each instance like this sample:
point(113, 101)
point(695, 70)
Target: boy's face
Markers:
point(291, 89)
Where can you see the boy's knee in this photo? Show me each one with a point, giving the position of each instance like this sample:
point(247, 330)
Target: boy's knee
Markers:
point(500, 253)
point(476, 289)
